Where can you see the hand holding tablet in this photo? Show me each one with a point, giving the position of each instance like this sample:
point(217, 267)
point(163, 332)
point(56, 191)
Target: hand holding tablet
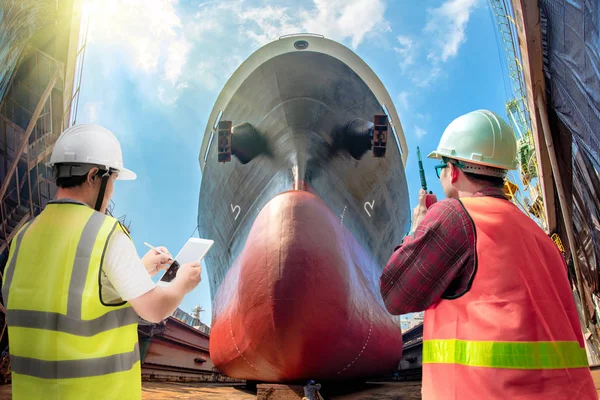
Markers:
point(193, 251)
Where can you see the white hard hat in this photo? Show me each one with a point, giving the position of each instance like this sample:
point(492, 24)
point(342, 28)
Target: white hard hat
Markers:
point(482, 138)
point(90, 144)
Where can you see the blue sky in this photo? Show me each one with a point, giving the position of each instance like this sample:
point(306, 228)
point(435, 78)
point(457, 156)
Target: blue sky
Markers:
point(153, 70)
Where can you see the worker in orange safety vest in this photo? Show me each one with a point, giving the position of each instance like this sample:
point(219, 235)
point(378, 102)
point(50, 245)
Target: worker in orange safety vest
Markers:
point(500, 317)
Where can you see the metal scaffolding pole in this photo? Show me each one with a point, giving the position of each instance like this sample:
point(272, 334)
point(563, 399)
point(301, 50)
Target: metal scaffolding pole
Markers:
point(28, 131)
point(566, 212)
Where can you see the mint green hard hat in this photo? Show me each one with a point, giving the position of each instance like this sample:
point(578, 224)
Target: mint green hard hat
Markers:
point(480, 137)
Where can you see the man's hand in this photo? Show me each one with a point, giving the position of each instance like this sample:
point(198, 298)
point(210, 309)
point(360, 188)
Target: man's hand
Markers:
point(160, 302)
point(154, 261)
point(189, 275)
point(420, 210)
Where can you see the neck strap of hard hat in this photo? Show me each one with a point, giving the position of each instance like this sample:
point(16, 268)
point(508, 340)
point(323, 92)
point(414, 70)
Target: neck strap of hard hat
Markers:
point(100, 199)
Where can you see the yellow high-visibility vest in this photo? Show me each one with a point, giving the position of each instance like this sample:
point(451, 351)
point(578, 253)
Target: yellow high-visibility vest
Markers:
point(65, 341)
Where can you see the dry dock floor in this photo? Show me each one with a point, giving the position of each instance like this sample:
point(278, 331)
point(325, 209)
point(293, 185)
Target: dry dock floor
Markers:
point(372, 391)
point(383, 391)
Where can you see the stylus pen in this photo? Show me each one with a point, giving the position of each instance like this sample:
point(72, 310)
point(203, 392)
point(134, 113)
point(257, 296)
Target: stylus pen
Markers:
point(154, 248)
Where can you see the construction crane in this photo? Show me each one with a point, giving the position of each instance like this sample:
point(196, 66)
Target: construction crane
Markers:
point(523, 190)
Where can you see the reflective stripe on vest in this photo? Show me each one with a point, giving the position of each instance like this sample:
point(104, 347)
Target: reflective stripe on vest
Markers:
point(516, 332)
point(80, 267)
point(66, 324)
point(10, 270)
point(516, 355)
point(72, 322)
point(75, 368)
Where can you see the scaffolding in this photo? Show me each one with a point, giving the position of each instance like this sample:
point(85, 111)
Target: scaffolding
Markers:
point(523, 190)
point(29, 127)
point(110, 210)
point(40, 102)
point(35, 107)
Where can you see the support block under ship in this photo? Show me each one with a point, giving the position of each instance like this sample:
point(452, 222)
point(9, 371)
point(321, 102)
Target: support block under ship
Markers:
point(305, 195)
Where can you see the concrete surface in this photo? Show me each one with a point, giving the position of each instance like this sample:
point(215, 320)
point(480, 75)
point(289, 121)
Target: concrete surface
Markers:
point(204, 391)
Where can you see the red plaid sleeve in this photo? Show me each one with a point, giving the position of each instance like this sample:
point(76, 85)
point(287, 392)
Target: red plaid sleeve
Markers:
point(437, 261)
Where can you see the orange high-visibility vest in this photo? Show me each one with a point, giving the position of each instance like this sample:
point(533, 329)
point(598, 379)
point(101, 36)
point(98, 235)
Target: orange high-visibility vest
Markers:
point(516, 333)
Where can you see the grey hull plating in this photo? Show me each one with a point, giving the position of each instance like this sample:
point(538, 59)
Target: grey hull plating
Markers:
point(299, 102)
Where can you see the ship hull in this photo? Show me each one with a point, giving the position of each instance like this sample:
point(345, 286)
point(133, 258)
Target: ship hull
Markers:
point(302, 231)
point(297, 303)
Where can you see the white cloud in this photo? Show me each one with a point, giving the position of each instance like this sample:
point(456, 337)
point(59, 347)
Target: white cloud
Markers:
point(206, 72)
point(423, 117)
point(420, 132)
point(245, 26)
point(335, 19)
point(168, 96)
point(403, 100)
point(424, 76)
point(447, 24)
point(346, 19)
point(441, 38)
point(177, 57)
point(236, 17)
point(168, 50)
point(263, 25)
point(93, 109)
point(150, 37)
point(206, 20)
point(405, 42)
point(406, 50)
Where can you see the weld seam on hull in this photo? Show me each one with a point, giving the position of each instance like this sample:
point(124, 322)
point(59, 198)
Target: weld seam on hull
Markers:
point(236, 346)
point(366, 343)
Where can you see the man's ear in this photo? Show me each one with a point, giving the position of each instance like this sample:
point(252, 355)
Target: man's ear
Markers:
point(454, 170)
point(92, 176)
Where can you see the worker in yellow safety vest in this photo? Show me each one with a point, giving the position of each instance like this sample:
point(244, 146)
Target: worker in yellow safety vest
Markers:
point(500, 318)
point(74, 284)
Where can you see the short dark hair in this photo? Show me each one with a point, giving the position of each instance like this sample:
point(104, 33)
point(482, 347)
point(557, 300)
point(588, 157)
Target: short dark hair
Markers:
point(74, 181)
point(71, 181)
point(494, 181)
point(483, 180)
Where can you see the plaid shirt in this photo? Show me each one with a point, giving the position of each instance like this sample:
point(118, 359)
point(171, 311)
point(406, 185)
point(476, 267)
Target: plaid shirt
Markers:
point(438, 261)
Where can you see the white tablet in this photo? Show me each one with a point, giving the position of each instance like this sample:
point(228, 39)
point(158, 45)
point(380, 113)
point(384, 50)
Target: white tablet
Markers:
point(194, 251)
